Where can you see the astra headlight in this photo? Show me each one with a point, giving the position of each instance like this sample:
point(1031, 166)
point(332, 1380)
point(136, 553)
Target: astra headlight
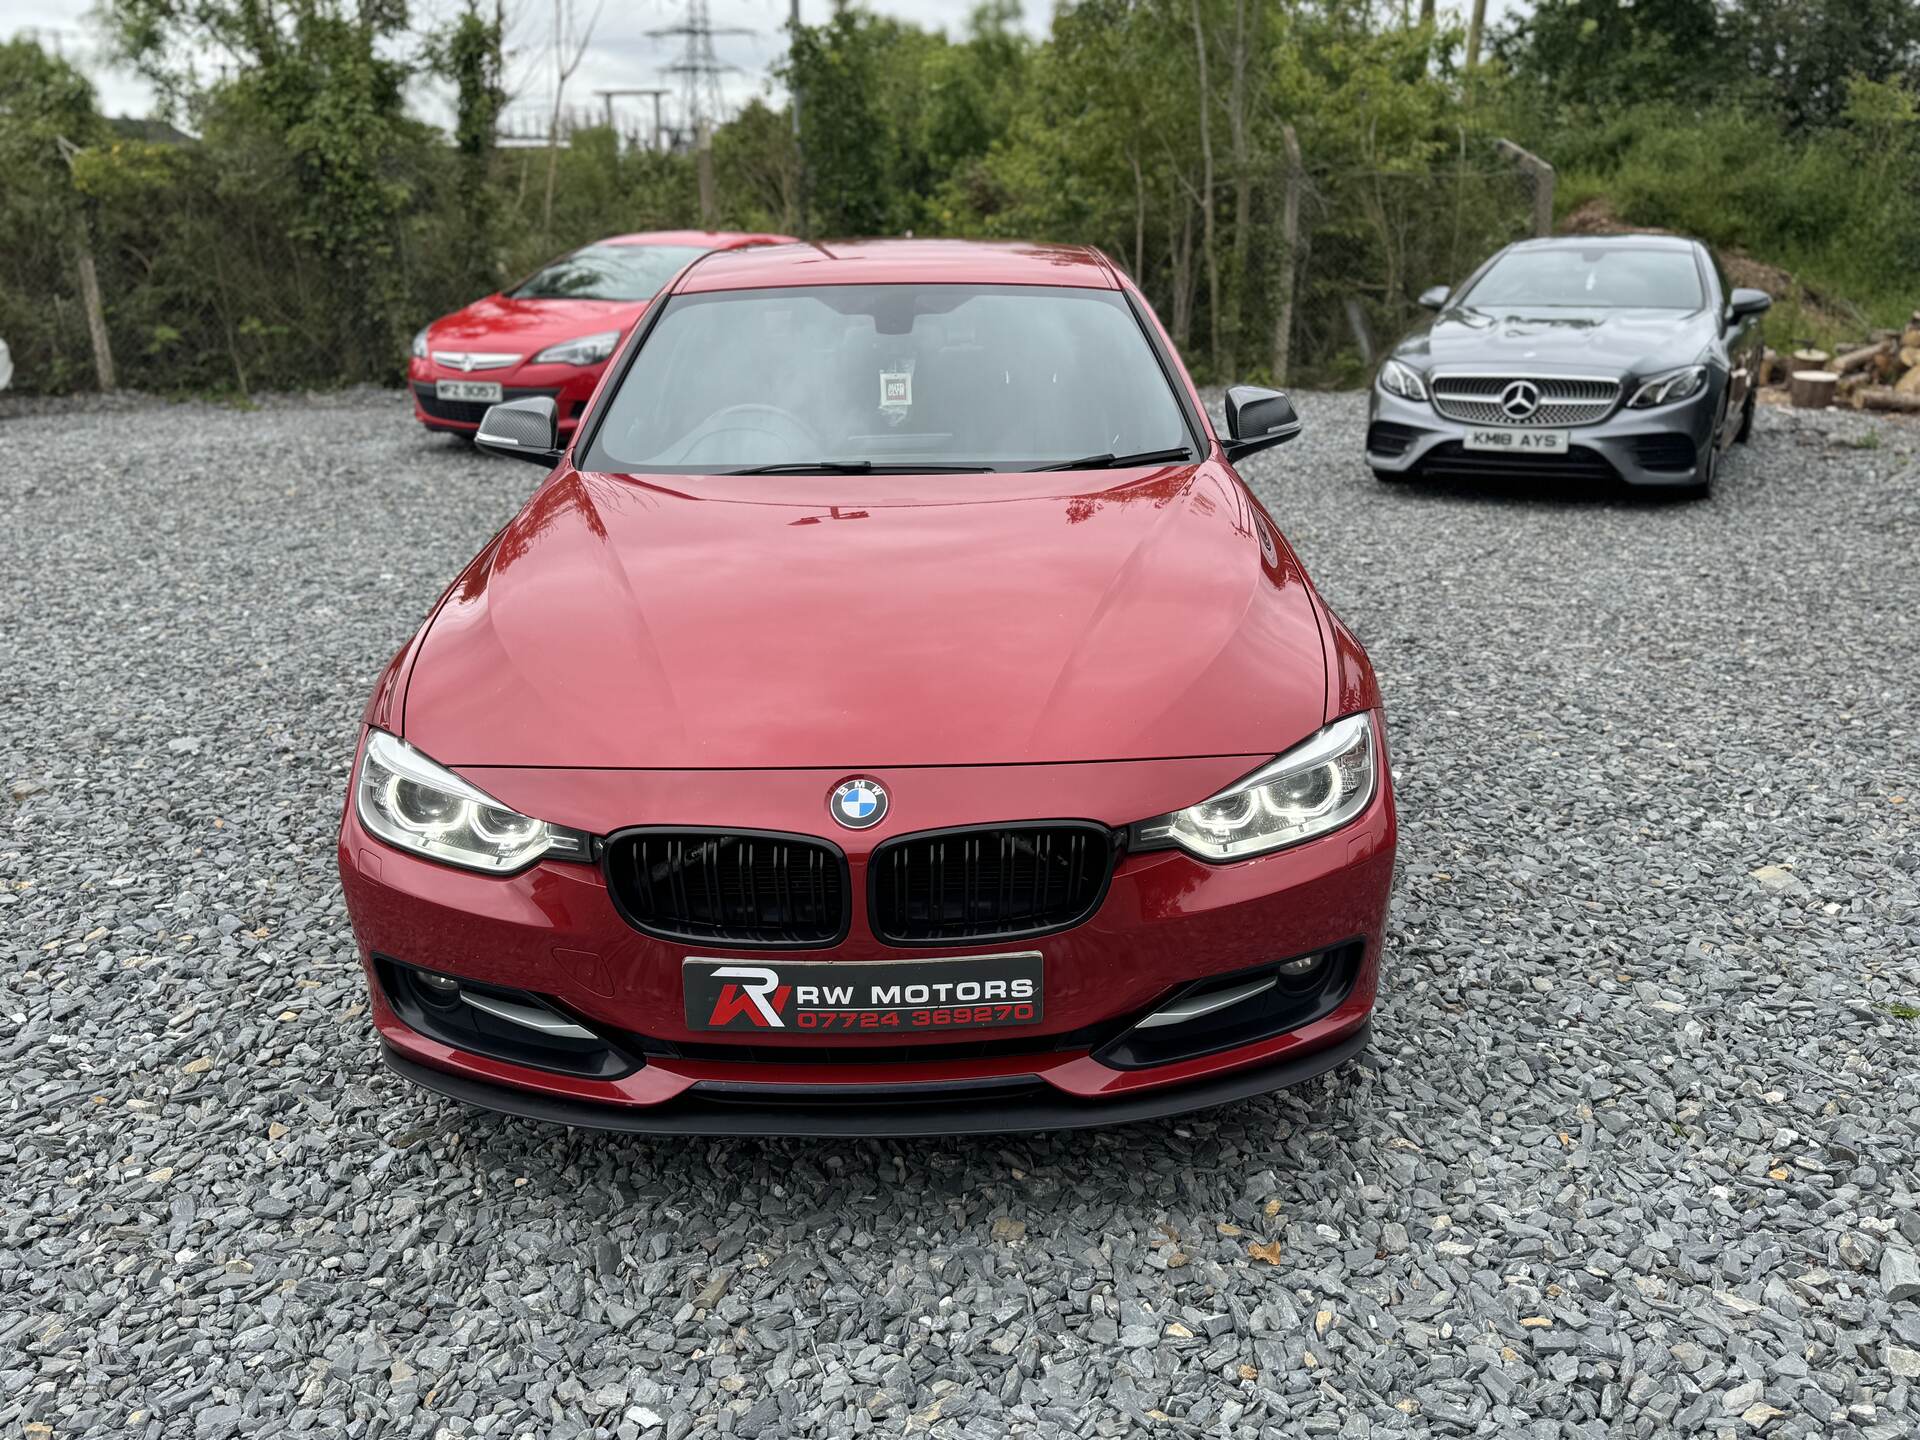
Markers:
point(1402, 380)
point(587, 350)
point(409, 801)
point(1317, 786)
point(1665, 389)
point(420, 344)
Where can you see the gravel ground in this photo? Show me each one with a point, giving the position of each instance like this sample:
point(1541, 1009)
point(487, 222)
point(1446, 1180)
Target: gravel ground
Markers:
point(1634, 1154)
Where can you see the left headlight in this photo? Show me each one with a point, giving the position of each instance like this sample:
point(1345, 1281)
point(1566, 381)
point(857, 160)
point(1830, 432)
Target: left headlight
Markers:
point(587, 350)
point(409, 801)
point(1665, 389)
point(1317, 786)
point(420, 344)
point(1402, 380)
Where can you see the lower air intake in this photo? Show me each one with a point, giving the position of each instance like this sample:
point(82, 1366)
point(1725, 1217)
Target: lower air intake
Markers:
point(1240, 1009)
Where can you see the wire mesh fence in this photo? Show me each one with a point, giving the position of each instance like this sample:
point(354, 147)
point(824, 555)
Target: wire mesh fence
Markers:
point(210, 280)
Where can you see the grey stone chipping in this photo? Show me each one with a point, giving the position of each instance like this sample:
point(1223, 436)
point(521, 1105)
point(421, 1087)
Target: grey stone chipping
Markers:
point(1633, 1154)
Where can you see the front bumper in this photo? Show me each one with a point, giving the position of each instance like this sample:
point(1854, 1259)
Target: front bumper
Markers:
point(1665, 446)
point(1020, 1109)
point(1166, 921)
point(570, 387)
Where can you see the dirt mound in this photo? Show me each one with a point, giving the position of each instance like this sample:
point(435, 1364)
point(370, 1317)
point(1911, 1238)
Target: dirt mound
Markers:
point(1819, 311)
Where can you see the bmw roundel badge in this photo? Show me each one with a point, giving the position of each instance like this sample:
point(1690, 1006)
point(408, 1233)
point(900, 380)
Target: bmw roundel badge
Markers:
point(858, 804)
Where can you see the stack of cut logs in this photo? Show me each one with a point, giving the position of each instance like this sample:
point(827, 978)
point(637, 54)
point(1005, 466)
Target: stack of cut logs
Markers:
point(1878, 374)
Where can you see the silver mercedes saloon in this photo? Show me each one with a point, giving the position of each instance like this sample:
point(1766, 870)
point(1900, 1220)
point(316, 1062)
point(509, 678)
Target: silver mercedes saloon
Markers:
point(1578, 358)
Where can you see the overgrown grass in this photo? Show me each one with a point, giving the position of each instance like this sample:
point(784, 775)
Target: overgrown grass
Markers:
point(1838, 208)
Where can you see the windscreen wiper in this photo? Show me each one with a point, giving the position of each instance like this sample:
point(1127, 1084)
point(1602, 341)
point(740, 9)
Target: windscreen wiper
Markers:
point(809, 467)
point(854, 467)
point(1110, 461)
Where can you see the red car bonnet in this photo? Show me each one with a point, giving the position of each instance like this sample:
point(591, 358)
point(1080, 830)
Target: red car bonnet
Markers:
point(871, 621)
point(526, 327)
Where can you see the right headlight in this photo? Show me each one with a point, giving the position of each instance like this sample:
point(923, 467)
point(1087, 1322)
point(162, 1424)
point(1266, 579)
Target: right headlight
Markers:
point(1402, 380)
point(1665, 389)
point(410, 802)
point(1317, 786)
point(420, 344)
point(586, 350)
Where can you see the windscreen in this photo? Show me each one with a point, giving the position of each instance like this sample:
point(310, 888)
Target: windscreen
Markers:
point(1601, 276)
point(988, 377)
point(608, 272)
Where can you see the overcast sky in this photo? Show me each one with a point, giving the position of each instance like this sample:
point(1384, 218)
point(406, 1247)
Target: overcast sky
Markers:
point(623, 54)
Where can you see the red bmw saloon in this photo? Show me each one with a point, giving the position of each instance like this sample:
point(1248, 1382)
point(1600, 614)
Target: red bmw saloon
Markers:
point(550, 335)
point(892, 715)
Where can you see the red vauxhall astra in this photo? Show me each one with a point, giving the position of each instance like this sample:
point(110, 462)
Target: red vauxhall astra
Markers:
point(552, 334)
point(892, 715)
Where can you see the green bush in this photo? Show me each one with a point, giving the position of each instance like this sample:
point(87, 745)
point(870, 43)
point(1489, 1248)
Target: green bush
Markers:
point(1839, 207)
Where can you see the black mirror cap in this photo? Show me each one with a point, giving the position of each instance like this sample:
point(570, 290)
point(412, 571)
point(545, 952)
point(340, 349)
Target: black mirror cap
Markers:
point(1257, 418)
point(1748, 302)
point(1434, 297)
point(525, 429)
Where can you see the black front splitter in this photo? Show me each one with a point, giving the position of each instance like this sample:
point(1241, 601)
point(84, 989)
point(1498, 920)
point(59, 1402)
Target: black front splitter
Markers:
point(1013, 1105)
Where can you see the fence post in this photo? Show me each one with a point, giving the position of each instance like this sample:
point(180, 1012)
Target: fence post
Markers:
point(1542, 174)
point(96, 314)
point(89, 280)
point(793, 106)
point(1290, 240)
point(1362, 336)
point(703, 171)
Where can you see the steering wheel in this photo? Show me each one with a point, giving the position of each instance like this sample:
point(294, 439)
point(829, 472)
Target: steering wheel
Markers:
point(791, 437)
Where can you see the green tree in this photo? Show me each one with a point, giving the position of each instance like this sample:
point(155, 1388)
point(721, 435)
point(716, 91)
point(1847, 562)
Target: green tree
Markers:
point(467, 54)
point(320, 78)
point(757, 170)
point(850, 150)
point(1579, 53)
point(46, 107)
point(1805, 51)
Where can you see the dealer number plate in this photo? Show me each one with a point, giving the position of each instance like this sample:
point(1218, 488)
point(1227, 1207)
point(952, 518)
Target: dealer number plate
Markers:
point(467, 389)
point(1524, 442)
point(972, 992)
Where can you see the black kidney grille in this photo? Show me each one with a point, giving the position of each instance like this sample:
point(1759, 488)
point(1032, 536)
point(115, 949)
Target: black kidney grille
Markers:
point(993, 883)
point(737, 889)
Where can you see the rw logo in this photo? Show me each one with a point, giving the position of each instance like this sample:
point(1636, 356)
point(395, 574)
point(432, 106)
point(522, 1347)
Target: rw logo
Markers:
point(759, 996)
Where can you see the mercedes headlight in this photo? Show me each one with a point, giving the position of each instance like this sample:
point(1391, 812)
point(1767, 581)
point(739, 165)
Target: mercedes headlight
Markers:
point(1402, 380)
point(409, 801)
point(1665, 389)
point(1317, 786)
point(587, 350)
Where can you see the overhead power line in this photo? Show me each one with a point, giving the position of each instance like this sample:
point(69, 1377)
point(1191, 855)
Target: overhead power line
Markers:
point(699, 68)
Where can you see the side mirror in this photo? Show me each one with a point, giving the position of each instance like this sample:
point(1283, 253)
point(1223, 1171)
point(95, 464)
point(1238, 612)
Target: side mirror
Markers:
point(1434, 297)
point(1258, 418)
point(524, 429)
point(1743, 303)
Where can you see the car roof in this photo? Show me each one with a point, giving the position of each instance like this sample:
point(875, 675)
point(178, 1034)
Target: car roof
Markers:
point(895, 262)
point(1608, 242)
point(710, 239)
